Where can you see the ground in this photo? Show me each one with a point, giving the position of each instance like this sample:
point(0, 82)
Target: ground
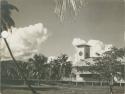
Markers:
point(66, 90)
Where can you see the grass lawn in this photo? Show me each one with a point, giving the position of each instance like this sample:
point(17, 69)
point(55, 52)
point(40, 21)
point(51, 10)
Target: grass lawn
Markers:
point(65, 90)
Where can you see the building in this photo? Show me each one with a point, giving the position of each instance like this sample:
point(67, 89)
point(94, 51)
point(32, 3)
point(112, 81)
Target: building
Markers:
point(82, 56)
point(80, 65)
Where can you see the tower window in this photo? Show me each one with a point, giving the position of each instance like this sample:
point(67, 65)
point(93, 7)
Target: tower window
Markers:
point(80, 53)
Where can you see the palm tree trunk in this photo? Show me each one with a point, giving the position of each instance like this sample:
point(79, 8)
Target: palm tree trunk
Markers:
point(111, 85)
point(21, 71)
point(111, 91)
point(50, 72)
point(60, 72)
point(0, 78)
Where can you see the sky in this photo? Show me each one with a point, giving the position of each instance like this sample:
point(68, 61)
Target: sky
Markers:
point(101, 20)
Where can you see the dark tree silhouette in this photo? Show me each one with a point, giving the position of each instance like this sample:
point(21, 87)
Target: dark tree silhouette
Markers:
point(39, 66)
point(60, 67)
point(6, 19)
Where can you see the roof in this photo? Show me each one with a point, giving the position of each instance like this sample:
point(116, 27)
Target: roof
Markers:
point(83, 45)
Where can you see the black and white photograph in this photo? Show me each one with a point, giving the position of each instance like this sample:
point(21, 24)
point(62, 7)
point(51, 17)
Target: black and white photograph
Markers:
point(62, 46)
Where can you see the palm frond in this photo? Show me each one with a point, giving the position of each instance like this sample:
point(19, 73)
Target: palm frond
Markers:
point(6, 19)
point(62, 5)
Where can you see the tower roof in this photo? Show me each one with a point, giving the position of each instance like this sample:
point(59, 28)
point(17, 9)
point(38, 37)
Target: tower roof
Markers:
point(83, 45)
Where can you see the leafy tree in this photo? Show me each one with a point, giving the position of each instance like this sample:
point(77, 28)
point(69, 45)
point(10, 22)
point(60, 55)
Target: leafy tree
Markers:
point(39, 66)
point(60, 67)
point(109, 65)
point(54, 67)
point(25, 66)
point(9, 71)
point(65, 66)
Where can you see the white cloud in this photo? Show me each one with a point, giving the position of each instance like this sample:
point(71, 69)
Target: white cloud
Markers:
point(78, 41)
point(98, 46)
point(51, 58)
point(24, 41)
point(108, 47)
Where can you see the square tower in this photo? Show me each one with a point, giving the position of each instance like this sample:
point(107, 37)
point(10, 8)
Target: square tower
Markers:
point(82, 52)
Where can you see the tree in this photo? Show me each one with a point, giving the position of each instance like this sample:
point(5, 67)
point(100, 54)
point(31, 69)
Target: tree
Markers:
point(109, 65)
point(9, 71)
point(65, 66)
point(54, 68)
point(60, 67)
point(6, 20)
point(6, 23)
point(39, 68)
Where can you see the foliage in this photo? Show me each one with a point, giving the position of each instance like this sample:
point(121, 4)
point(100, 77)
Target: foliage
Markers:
point(34, 69)
point(6, 19)
point(9, 70)
point(38, 68)
point(109, 65)
point(60, 67)
point(62, 5)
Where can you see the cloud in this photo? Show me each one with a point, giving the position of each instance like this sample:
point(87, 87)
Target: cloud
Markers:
point(78, 41)
point(24, 41)
point(51, 58)
point(96, 46)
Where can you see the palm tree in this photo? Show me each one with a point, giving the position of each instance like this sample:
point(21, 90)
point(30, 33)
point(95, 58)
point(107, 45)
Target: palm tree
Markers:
point(6, 23)
point(65, 66)
point(39, 68)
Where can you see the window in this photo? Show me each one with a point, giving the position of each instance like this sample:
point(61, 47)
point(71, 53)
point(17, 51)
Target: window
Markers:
point(80, 53)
